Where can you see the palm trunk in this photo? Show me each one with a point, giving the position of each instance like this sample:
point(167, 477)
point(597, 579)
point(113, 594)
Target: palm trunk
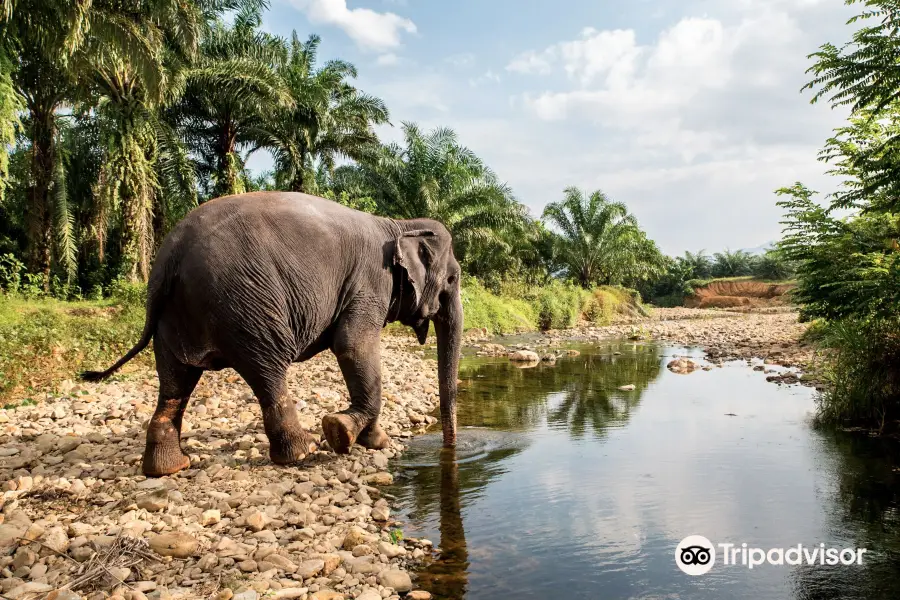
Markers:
point(136, 193)
point(297, 180)
point(228, 176)
point(39, 212)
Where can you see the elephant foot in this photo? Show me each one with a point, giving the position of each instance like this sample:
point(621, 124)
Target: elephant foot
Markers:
point(289, 448)
point(339, 430)
point(374, 438)
point(163, 459)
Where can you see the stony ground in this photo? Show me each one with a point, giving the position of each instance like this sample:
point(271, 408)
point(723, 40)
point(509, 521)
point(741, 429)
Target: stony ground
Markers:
point(79, 519)
point(773, 335)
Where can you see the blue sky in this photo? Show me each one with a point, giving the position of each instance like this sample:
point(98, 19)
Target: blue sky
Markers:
point(689, 112)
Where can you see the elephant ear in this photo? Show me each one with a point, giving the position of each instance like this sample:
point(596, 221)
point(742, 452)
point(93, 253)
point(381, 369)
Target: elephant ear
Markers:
point(414, 256)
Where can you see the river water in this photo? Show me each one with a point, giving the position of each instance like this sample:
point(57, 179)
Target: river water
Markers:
point(562, 486)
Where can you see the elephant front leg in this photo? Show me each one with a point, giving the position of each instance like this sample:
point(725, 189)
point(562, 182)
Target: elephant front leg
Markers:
point(359, 357)
point(288, 441)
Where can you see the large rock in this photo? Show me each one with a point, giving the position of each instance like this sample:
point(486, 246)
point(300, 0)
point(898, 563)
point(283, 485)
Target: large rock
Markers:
point(326, 595)
point(525, 356)
point(356, 536)
point(682, 366)
point(26, 590)
point(179, 545)
point(393, 578)
point(310, 568)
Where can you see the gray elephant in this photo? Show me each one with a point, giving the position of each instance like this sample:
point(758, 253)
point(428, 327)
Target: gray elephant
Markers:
point(258, 281)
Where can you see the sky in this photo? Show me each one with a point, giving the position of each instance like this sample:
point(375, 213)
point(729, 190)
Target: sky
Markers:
point(688, 111)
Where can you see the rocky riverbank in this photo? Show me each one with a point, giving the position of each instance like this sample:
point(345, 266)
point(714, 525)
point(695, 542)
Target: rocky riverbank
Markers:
point(772, 335)
point(79, 519)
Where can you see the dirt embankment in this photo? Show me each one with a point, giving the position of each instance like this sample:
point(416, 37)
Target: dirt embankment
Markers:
point(739, 293)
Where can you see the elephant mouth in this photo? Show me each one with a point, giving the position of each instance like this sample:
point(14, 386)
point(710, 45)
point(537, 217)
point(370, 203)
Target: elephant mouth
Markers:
point(421, 329)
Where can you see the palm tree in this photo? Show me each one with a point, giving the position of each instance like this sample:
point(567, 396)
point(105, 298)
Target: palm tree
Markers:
point(597, 236)
point(732, 264)
point(132, 82)
point(699, 263)
point(38, 40)
point(234, 88)
point(433, 176)
point(329, 119)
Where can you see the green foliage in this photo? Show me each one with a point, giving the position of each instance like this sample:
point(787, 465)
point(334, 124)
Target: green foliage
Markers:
point(396, 535)
point(11, 273)
point(497, 314)
point(863, 75)
point(848, 268)
point(862, 375)
point(557, 305)
point(732, 264)
point(774, 266)
point(329, 118)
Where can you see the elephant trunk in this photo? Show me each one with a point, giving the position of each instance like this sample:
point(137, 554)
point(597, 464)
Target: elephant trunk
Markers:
point(448, 327)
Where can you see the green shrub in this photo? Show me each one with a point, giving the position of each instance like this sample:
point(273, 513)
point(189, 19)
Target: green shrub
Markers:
point(11, 270)
point(131, 295)
point(497, 314)
point(861, 372)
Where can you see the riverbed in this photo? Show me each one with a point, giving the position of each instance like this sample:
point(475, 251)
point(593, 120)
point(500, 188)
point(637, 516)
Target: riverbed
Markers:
point(563, 485)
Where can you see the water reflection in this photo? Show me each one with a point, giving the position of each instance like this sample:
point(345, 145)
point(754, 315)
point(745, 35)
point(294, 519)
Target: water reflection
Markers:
point(578, 393)
point(864, 512)
point(563, 485)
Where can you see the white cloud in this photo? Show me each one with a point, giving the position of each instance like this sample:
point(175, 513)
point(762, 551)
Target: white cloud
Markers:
point(533, 62)
point(460, 60)
point(701, 86)
point(387, 60)
point(370, 30)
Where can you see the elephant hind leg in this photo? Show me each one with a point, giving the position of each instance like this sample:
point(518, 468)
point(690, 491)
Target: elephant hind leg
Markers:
point(288, 441)
point(163, 454)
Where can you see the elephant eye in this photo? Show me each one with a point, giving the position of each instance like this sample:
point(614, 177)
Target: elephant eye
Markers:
point(451, 279)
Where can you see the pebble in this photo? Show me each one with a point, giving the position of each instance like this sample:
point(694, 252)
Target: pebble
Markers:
point(399, 580)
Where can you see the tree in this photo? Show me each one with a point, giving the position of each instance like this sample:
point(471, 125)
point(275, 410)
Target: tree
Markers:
point(131, 86)
point(39, 38)
point(864, 74)
point(732, 263)
point(329, 118)
point(596, 236)
point(431, 175)
point(699, 263)
point(233, 89)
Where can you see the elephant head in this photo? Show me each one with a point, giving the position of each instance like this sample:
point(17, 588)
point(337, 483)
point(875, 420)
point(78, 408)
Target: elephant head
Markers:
point(427, 290)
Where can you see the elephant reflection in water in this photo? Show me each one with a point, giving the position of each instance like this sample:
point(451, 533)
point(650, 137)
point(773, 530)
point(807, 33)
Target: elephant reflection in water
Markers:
point(449, 576)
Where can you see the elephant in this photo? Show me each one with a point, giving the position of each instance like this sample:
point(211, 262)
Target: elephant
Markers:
point(258, 281)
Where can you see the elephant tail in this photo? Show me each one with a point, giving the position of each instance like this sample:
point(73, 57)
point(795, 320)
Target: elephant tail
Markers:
point(154, 308)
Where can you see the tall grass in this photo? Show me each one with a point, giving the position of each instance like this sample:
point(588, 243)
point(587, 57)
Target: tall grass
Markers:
point(862, 373)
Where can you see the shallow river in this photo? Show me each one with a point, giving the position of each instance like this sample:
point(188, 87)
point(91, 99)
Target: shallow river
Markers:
point(565, 487)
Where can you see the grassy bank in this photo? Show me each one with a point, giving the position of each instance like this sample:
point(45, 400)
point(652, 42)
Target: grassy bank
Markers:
point(557, 306)
point(44, 341)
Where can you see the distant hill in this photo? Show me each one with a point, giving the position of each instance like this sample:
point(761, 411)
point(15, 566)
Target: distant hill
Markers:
point(760, 249)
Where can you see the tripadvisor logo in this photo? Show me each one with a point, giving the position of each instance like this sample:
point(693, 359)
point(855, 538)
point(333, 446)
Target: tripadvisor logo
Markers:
point(696, 555)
